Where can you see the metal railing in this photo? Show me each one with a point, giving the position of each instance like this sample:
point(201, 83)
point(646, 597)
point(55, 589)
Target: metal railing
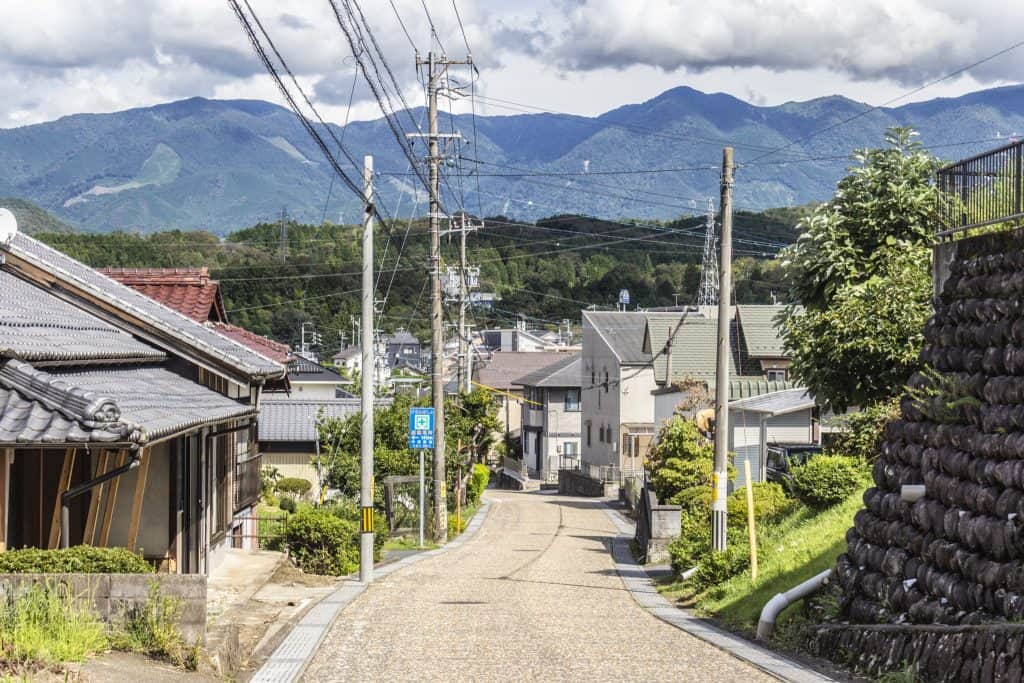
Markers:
point(603, 473)
point(247, 482)
point(985, 189)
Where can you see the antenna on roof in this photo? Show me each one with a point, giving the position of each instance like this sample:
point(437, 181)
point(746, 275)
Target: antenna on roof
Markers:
point(8, 226)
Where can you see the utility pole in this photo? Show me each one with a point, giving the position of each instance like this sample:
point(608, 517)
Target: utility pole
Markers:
point(468, 278)
point(436, 69)
point(719, 511)
point(283, 237)
point(366, 377)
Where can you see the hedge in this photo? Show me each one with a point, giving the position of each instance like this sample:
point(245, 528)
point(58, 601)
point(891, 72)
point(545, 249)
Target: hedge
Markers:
point(294, 485)
point(82, 559)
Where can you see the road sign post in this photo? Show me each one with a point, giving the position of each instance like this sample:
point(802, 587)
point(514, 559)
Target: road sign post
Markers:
point(422, 497)
point(421, 437)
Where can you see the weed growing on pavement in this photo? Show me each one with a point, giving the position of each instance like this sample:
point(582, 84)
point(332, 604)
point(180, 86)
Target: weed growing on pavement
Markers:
point(46, 624)
point(152, 628)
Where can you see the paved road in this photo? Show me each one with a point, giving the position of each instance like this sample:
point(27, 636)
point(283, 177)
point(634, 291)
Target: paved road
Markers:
point(533, 596)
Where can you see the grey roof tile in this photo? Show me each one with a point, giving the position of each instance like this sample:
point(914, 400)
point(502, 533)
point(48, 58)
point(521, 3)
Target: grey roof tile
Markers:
point(623, 331)
point(564, 373)
point(506, 368)
point(170, 322)
point(119, 404)
point(289, 420)
point(35, 325)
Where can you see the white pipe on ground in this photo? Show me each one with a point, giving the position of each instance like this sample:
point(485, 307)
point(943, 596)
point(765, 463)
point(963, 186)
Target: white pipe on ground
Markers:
point(771, 610)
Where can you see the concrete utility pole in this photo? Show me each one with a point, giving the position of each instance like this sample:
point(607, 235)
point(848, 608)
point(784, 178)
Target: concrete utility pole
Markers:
point(436, 69)
point(465, 363)
point(283, 237)
point(719, 511)
point(366, 377)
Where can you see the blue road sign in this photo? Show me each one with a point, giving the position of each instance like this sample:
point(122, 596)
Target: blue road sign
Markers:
point(421, 428)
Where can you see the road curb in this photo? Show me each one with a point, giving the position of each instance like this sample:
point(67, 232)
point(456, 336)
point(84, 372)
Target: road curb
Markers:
point(295, 652)
point(641, 587)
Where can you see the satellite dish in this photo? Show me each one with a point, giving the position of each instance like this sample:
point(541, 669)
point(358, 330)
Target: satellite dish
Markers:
point(8, 226)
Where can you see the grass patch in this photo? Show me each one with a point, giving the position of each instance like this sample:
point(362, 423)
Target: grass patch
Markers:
point(408, 543)
point(152, 629)
point(45, 625)
point(799, 545)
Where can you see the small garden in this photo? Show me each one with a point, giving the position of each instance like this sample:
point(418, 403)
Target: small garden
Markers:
point(800, 527)
point(43, 626)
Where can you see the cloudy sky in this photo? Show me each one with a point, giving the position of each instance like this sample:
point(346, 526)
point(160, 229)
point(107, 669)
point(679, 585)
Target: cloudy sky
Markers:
point(59, 57)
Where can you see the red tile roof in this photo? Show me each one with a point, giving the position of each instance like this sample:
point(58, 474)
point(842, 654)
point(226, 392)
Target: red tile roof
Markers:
point(190, 291)
point(268, 347)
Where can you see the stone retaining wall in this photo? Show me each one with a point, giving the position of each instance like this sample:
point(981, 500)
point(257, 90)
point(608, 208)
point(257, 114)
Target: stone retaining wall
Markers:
point(575, 483)
point(941, 654)
point(112, 595)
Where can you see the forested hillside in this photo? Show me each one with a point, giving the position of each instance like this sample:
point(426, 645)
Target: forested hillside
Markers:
point(548, 271)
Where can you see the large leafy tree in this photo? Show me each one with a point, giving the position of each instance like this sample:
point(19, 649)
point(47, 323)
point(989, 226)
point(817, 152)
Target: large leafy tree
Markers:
point(859, 277)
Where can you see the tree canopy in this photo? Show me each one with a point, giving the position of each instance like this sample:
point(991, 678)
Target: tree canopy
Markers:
point(859, 277)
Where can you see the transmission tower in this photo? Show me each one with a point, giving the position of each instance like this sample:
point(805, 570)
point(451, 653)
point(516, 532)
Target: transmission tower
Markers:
point(707, 297)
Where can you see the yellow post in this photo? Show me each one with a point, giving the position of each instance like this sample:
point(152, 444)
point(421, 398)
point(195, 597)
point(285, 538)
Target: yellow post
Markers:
point(750, 520)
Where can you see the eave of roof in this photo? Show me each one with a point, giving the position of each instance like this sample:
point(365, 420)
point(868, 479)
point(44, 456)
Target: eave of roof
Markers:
point(138, 405)
point(48, 267)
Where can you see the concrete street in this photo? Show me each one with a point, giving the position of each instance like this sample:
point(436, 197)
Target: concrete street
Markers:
point(533, 596)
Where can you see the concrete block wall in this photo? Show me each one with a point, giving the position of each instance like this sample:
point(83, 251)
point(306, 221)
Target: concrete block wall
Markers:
point(114, 595)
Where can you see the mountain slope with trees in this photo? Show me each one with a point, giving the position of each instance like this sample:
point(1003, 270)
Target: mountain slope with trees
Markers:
point(223, 165)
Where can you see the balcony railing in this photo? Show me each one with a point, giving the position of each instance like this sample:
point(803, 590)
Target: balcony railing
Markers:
point(247, 482)
point(983, 190)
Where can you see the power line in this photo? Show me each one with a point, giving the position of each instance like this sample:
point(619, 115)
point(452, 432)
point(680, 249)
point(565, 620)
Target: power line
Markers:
point(867, 111)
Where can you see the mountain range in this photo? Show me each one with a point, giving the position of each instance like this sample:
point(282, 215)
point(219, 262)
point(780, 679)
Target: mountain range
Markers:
point(223, 164)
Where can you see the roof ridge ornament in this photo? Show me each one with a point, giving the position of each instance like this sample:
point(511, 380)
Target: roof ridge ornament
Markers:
point(8, 227)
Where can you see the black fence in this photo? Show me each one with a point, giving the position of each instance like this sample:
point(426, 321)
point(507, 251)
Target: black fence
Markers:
point(983, 190)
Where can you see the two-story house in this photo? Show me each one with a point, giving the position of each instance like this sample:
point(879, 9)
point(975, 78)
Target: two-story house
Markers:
point(122, 421)
point(551, 417)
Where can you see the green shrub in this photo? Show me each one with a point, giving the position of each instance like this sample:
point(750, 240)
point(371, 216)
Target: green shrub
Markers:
point(288, 504)
point(827, 480)
point(770, 502)
point(46, 624)
point(323, 543)
point(862, 432)
point(152, 628)
point(81, 559)
point(294, 485)
point(716, 568)
point(479, 478)
point(348, 509)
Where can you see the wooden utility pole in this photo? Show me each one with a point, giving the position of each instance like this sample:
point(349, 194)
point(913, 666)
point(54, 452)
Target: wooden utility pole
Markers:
point(366, 377)
point(719, 511)
point(436, 69)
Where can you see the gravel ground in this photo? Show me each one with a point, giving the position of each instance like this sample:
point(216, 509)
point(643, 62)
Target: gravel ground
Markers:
point(533, 596)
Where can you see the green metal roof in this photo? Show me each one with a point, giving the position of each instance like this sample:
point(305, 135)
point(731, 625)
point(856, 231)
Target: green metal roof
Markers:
point(760, 332)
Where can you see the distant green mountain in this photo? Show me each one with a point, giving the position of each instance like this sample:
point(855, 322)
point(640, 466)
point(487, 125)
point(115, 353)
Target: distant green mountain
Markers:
point(33, 219)
point(224, 165)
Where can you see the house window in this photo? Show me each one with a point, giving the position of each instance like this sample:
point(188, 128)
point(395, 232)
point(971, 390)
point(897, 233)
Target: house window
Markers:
point(606, 381)
point(570, 449)
point(588, 434)
point(572, 400)
point(776, 375)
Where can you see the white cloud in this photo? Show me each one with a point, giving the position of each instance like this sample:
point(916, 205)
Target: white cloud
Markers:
point(64, 56)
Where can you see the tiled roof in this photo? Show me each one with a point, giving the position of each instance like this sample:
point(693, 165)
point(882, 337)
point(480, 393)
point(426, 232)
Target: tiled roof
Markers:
point(350, 352)
point(506, 368)
point(694, 348)
point(304, 370)
point(296, 420)
point(623, 332)
point(79, 278)
point(35, 325)
point(189, 291)
point(760, 333)
point(123, 404)
point(274, 350)
point(401, 337)
point(564, 373)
